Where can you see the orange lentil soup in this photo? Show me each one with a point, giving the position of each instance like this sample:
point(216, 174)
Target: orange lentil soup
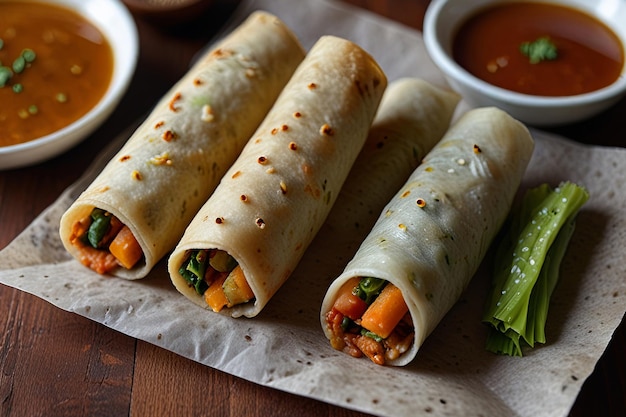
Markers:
point(589, 56)
point(55, 67)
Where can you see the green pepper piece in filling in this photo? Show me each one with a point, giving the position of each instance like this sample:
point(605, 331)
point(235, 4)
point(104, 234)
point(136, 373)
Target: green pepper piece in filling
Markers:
point(371, 335)
point(98, 228)
point(194, 268)
point(222, 262)
point(369, 288)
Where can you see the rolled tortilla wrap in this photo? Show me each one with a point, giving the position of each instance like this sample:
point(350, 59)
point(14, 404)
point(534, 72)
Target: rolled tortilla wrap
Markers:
point(275, 197)
point(175, 159)
point(412, 117)
point(430, 239)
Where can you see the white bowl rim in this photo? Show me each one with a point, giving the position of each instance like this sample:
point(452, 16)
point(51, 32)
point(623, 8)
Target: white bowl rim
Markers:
point(443, 59)
point(123, 71)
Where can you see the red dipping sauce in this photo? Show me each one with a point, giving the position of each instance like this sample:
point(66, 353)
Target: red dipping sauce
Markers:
point(589, 55)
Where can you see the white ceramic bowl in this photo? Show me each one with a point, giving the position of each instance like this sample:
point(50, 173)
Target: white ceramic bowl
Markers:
point(442, 20)
point(116, 23)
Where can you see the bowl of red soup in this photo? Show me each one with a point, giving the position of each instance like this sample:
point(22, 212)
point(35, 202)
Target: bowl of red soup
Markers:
point(64, 66)
point(546, 62)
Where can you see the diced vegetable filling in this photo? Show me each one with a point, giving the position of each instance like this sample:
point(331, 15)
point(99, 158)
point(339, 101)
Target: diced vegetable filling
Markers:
point(105, 243)
point(216, 276)
point(370, 317)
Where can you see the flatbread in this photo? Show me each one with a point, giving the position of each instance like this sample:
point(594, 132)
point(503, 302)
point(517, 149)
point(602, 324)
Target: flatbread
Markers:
point(413, 116)
point(431, 237)
point(274, 199)
point(175, 159)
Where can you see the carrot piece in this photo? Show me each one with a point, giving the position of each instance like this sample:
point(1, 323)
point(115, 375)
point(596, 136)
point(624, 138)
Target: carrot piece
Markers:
point(79, 228)
point(236, 287)
point(214, 296)
point(385, 312)
point(126, 248)
point(98, 260)
point(114, 229)
point(347, 303)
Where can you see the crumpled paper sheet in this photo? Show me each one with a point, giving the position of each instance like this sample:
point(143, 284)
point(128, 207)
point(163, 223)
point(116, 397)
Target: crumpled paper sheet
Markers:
point(453, 374)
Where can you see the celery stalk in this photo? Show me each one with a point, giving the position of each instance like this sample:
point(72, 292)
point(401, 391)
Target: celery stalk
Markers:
point(538, 311)
point(527, 266)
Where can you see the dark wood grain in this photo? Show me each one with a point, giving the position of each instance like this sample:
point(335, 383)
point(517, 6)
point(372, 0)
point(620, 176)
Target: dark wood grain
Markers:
point(56, 363)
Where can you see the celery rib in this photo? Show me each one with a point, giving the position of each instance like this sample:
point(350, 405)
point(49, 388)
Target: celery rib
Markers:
point(527, 266)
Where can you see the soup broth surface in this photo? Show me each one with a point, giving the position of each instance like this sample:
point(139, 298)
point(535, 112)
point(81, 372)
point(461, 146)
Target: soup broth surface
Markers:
point(67, 71)
point(589, 55)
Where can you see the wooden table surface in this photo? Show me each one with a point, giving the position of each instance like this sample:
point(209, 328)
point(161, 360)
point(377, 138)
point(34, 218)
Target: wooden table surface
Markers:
point(56, 363)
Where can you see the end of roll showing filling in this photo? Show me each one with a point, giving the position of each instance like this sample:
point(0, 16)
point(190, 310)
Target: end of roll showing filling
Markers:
point(104, 243)
point(462, 193)
point(217, 277)
point(370, 317)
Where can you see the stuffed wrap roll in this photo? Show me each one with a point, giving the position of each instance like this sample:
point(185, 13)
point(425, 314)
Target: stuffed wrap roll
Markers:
point(248, 238)
point(137, 208)
point(412, 117)
point(428, 241)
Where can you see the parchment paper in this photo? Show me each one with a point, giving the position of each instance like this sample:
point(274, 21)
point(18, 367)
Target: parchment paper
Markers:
point(452, 374)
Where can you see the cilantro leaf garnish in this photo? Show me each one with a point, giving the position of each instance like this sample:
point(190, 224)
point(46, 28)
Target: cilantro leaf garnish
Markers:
point(541, 49)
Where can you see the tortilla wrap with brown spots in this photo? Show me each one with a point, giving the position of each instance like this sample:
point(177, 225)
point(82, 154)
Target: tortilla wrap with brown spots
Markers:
point(175, 159)
point(431, 237)
point(276, 196)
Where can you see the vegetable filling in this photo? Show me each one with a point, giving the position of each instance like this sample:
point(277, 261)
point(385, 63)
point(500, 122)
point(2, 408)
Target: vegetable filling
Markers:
point(216, 276)
point(370, 317)
point(105, 243)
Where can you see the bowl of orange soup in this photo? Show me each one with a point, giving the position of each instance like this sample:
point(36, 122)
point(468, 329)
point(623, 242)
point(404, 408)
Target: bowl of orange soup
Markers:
point(64, 67)
point(545, 62)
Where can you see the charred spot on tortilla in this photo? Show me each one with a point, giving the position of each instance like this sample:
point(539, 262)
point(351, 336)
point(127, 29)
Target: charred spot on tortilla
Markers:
point(174, 101)
point(169, 135)
point(326, 130)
